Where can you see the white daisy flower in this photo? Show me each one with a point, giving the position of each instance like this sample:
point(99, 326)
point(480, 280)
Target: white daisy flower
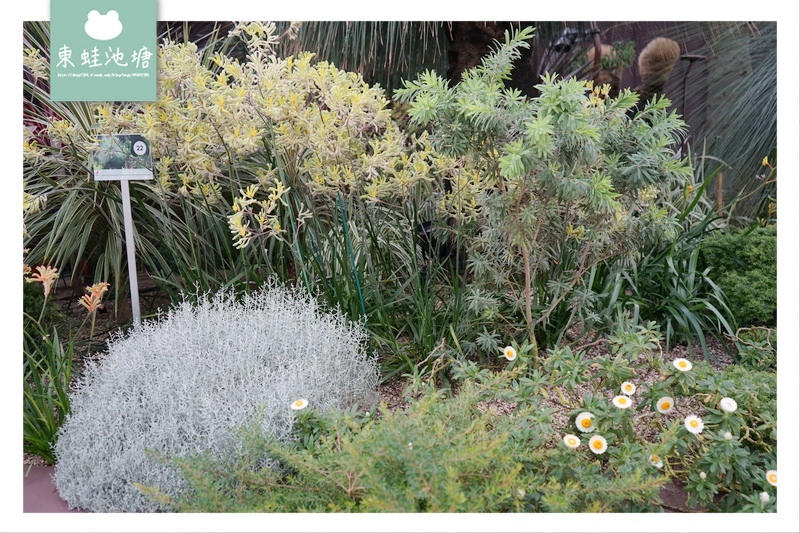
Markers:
point(627, 388)
point(665, 405)
point(598, 444)
point(728, 405)
point(623, 402)
point(772, 477)
point(302, 403)
point(510, 353)
point(410, 445)
point(764, 497)
point(694, 424)
point(656, 461)
point(682, 364)
point(572, 441)
point(584, 422)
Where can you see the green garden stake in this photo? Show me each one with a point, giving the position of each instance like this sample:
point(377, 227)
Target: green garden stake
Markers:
point(124, 158)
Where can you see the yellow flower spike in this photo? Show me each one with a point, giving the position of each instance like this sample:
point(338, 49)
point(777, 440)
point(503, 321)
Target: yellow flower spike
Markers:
point(251, 191)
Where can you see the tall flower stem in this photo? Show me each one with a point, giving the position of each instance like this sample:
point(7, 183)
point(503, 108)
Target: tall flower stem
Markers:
point(41, 313)
point(91, 330)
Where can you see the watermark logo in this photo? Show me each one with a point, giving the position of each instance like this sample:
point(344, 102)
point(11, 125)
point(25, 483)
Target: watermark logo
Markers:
point(103, 50)
point(103, 27)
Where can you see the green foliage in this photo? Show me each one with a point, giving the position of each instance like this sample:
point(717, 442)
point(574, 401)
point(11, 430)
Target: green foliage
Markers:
point(744, 265)
point(444, 454)
point(384, 52)
point(623, 56)
point(460, 453)
point(758, 348)
point(667, 283)
point(738, 84)
point(569, 181)
point(735, 468)
point(35, 306)
point(45, 388)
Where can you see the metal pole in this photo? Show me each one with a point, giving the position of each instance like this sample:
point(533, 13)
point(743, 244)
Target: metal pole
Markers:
point(126, 214)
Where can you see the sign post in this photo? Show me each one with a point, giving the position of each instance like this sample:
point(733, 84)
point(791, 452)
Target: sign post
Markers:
point(125, 158)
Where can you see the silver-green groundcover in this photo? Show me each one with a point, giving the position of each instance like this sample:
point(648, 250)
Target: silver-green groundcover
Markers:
point(183, 384)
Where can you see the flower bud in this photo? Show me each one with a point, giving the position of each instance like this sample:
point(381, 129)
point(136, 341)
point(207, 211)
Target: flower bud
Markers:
point(702, 475)
point(764, 497)
point(728, 435)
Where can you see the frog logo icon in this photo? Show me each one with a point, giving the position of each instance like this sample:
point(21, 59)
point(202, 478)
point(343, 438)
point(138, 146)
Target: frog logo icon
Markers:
point(103, 27)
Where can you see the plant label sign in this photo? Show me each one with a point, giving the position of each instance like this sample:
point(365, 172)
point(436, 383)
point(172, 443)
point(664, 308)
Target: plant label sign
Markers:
point(124, 158)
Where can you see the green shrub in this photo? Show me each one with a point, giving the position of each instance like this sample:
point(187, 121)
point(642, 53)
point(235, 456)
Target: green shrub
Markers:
point(744, 264)
point(180, 385)
point(668, 286)
point(758, 348)
point(45, 387)
point(32, 302)
point(547, 187)
point(444, 454)
point(742, 445)
point(459, 453)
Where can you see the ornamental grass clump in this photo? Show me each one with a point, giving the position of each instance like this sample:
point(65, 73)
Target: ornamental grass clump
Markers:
point(181, 384)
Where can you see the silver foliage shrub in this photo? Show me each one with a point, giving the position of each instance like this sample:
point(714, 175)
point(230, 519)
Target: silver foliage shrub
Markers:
point(183, 384)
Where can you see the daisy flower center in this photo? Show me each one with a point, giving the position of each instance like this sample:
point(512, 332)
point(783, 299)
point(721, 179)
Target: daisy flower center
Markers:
point(623, 401)
point(597, 444)
point(656, 458)
point(682, 364)
point(571, 441)
point(773, 478)
point(665, 405)
point(298, 403)
point(586, 422)
point(694, 423)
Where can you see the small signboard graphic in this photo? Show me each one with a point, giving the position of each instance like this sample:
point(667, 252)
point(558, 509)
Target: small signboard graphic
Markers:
point(103, 50)
point(124, 158)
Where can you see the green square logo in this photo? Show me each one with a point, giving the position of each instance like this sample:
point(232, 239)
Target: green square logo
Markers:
point(103, 50)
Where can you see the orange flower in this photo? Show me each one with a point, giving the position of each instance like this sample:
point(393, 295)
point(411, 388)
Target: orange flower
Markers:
point(47, 275)
point(90, 302)
point(93, 300)
point(98, 289)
